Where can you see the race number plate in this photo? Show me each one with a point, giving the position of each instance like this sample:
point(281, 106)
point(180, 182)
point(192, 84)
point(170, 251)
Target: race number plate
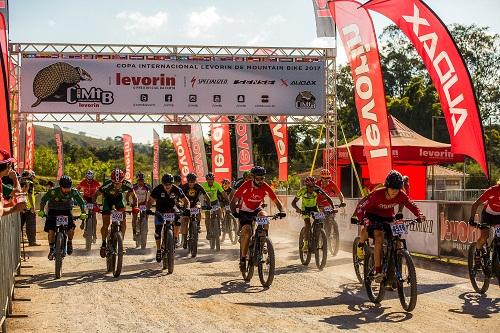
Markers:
point(170, 217)
point(116, 217)
point(319, 215)
point(398, 228)
point(227, 207)
point(497, 230)
point(261, 220)
point(90, 206)
point(328, 209)
point(142, 208)
point(194, 211)
point(215, 208)
point(61, 220)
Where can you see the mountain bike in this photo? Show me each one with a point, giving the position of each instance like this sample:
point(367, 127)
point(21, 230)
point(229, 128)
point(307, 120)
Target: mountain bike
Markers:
point(317, 242)
point(397, 266)
point(358, 263)
point(61, 236)
point(488, 266)
point(193, 230)
point(332, 229)
point(229, 226)
point(114, 244)
point(261, 252)
point(90, 227)
point(214, 228)
point(141, 228)
point(167, 246)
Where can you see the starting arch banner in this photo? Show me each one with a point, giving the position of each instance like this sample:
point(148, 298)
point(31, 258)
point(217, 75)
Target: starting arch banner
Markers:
point(62, 85)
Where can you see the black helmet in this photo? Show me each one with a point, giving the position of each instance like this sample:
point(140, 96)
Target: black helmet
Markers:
point(209, 176)
point(191, 177)
point(258, 171)
point(177, 178)
point(394, 180)
point(140, 176)
point(65, 182)
point(167, 179)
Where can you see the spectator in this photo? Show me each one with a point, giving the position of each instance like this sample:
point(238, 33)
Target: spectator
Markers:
point(29, 215)
point(6, 170)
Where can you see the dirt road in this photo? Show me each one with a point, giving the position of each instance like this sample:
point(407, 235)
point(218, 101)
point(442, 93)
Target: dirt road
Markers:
point(207, 294)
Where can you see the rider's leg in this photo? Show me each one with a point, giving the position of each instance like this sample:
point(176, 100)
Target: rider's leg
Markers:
point(184, 225)
point(379, 241)
point(307, 226)
point(104, 228)
point(135, 217)
point(158, 229)
point(51, 236)
point(483, 238)
point(246, 233)
point(94, 221)
point(207, 221)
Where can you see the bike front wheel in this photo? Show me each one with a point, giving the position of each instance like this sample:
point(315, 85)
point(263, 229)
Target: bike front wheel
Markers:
point(89, 232)
point(406, 281)
point(193, 238)
point(334, 239)
point(304, 253)
point(59, 253)
point(117, 255)
point(320, 248)
point(266, 264)
point(358, 263)
point(168, 251)
point(247, 273)
point(374, 290)
point(233, 230)
point(478, 278)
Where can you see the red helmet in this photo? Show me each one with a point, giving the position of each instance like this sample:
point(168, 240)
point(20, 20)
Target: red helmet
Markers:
point(325, 173)
point(310, 180)
point(117, 175)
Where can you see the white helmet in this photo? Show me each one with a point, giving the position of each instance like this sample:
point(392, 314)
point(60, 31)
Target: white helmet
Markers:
point(89, 175)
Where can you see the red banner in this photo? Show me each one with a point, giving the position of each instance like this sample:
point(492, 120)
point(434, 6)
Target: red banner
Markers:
point(58, 137)
point(447, 69)
point(280, 136)
point(128, 155)
point(183, 154)
point(244, 150)
point(360, 43)
point(221, 149)
point(156, 158)
point(5, 131)
point(198, 149)
point(29, 155)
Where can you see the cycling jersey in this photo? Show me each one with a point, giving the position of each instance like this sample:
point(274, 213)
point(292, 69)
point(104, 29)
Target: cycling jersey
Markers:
point(491, 200)
point(213, 190)
point(309, 200)
point(57, 200)
point(165, 201)
point(253, 196)
point(108, 188)
point(330, 189)
point(193, 194)
point(377, 204)
point(142, 193)
point(89, 188)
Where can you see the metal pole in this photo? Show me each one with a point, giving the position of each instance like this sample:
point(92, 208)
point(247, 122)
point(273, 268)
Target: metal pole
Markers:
point(432, 185)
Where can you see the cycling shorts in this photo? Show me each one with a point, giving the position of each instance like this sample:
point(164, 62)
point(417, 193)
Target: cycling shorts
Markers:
point(489, 219)
point(309, 209)
point(247, 218)
point(376, 222)
point(50, 221)
point(117, 202)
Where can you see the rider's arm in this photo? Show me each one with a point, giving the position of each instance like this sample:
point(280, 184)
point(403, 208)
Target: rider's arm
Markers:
point(411, 205)
point(234, 202)
point(294, 203)
point(341, 197)
point(278, 204)
point(79, 199)
point(134, 198)
point(45, 198)
point(482, 199)
point(185, 202)
point(96, 195)
point(150, 202)
point(328, 198)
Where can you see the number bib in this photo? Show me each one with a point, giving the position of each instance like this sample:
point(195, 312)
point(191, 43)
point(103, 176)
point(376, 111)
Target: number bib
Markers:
point(328, 210)
point(170, 217)
point(61, 220)
point(90, 206)
point(497, 230)
point(398, 228)
point(215, 208)
point(319, 215)
point(116, 217)
point(261, 220)
point(142, 208)
point(194, 211)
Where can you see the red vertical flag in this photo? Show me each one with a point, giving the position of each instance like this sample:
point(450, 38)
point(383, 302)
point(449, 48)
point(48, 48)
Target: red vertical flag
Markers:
point(355, 27)
point(183, 154)
point(198, 149)
point(244, 149)
point(5, 131)
point(58, 137)
point(128, 154)
point(280, 135)
point(29, 155)
point(447, 69)
point(156, 158)
point(221, 149)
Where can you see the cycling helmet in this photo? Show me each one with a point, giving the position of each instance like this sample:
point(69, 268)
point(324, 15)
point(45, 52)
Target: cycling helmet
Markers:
point(140, 176)
point(177, 179)
point(310, 180)
point(89, 175)
point(28, 174)
point(394, 180)
point(226, 182)
point(117, 175)
point(167, 179)
point(65, 182)
point(191, 177)
point(325, 173)
point(258, 171)
point(209, 176)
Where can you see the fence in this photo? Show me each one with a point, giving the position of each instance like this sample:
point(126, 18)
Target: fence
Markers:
point(456, 195)
point(10, 254)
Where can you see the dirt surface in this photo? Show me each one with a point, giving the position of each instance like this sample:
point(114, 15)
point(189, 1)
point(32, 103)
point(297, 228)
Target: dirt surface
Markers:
point(207, 294)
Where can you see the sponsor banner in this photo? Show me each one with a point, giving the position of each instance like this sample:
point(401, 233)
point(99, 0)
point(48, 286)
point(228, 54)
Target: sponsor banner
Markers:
point(15, 144)
point(4, 10)
point(325, 26)
point(280, 136)
point(426, 155)
point(423, 237)
point(58, 137)
point(447, 69)
point(5, 130)
point(360, 43)
point(128, 157)
point(29, 155)
point(156, 158)
point(198, 150)
point(221, 149)
point(244, 148)
point(172, 87)
point(347, 231)
point(181, 146)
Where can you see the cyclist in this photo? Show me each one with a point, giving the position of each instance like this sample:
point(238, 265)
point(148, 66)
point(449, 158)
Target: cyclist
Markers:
point(489, 216)
point(89, 186)
point(142, 191)
point(309, 195)
point(377, 211)
point(112, 191)
point(192, 190)
point(177, 180)
point(60, 202)
point(213, 189)
point(6, 170)
point(330, 188)
point(226, 185)
point(247, 175)
point(166, 196)
point(248, 198)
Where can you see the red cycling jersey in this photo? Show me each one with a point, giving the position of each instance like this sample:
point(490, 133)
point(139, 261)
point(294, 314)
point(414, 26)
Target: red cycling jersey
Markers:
point(376, 203)
point(253, 196)
point(330, 189)
point(89, 188)
point(491, 199)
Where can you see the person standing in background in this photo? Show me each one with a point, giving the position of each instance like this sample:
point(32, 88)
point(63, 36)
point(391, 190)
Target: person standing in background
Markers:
point(29, 215)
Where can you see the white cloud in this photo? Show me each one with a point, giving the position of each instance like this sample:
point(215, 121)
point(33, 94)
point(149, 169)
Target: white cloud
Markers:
point(137, 22)
point(201, 22)
point(265, 30)
point(52, 23)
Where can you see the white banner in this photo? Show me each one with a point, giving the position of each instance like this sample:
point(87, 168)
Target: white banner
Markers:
point(172, 87)
point(423, 237)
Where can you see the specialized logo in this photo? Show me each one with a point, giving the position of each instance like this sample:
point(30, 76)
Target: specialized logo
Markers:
point(196, 80)
point(305, 100)
point(59, 82)
point(255, 82)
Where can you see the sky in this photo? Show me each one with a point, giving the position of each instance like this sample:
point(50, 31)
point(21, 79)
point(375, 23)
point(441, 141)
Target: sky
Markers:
point(196, 22)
